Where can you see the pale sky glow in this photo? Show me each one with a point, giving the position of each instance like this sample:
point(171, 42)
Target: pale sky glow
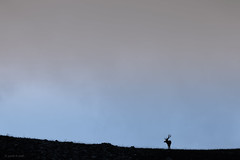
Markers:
point(127, 72)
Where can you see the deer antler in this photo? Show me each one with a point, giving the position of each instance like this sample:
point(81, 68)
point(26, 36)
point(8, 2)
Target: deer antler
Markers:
point(168, 137)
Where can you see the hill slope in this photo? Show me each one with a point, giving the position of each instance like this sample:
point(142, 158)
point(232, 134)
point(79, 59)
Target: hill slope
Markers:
point(26, 148)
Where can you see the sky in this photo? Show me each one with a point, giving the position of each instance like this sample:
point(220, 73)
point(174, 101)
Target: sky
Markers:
point(126, 72)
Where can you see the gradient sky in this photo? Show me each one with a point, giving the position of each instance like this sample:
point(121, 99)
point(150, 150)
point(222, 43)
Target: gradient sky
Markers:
point(127, 72)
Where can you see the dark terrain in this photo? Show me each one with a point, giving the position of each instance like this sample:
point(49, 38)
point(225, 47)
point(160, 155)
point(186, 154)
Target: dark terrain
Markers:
point(26, 148)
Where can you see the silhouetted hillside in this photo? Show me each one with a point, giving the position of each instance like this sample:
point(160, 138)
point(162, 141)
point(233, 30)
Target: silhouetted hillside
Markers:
point(26, 148)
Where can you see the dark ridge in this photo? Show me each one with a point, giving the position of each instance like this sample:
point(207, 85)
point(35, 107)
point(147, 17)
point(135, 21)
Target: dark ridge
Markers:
point(26, 148)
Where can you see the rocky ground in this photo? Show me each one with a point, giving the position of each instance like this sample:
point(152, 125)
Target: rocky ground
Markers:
point(26, 148)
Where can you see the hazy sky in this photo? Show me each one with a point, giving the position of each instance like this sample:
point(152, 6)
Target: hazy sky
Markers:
point(127, 72)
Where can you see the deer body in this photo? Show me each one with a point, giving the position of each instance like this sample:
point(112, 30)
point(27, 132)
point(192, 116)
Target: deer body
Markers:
point(168, 142)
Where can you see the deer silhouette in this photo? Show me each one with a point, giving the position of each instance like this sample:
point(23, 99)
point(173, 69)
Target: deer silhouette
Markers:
point(168, 142)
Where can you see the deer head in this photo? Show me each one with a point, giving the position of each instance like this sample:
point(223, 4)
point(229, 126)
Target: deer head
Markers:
point(166, 139)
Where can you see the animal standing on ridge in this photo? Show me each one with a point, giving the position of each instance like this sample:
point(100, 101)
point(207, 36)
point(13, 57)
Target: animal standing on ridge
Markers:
point(168, 142)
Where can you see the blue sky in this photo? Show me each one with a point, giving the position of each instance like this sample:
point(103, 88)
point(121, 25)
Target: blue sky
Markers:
point(124, 72)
